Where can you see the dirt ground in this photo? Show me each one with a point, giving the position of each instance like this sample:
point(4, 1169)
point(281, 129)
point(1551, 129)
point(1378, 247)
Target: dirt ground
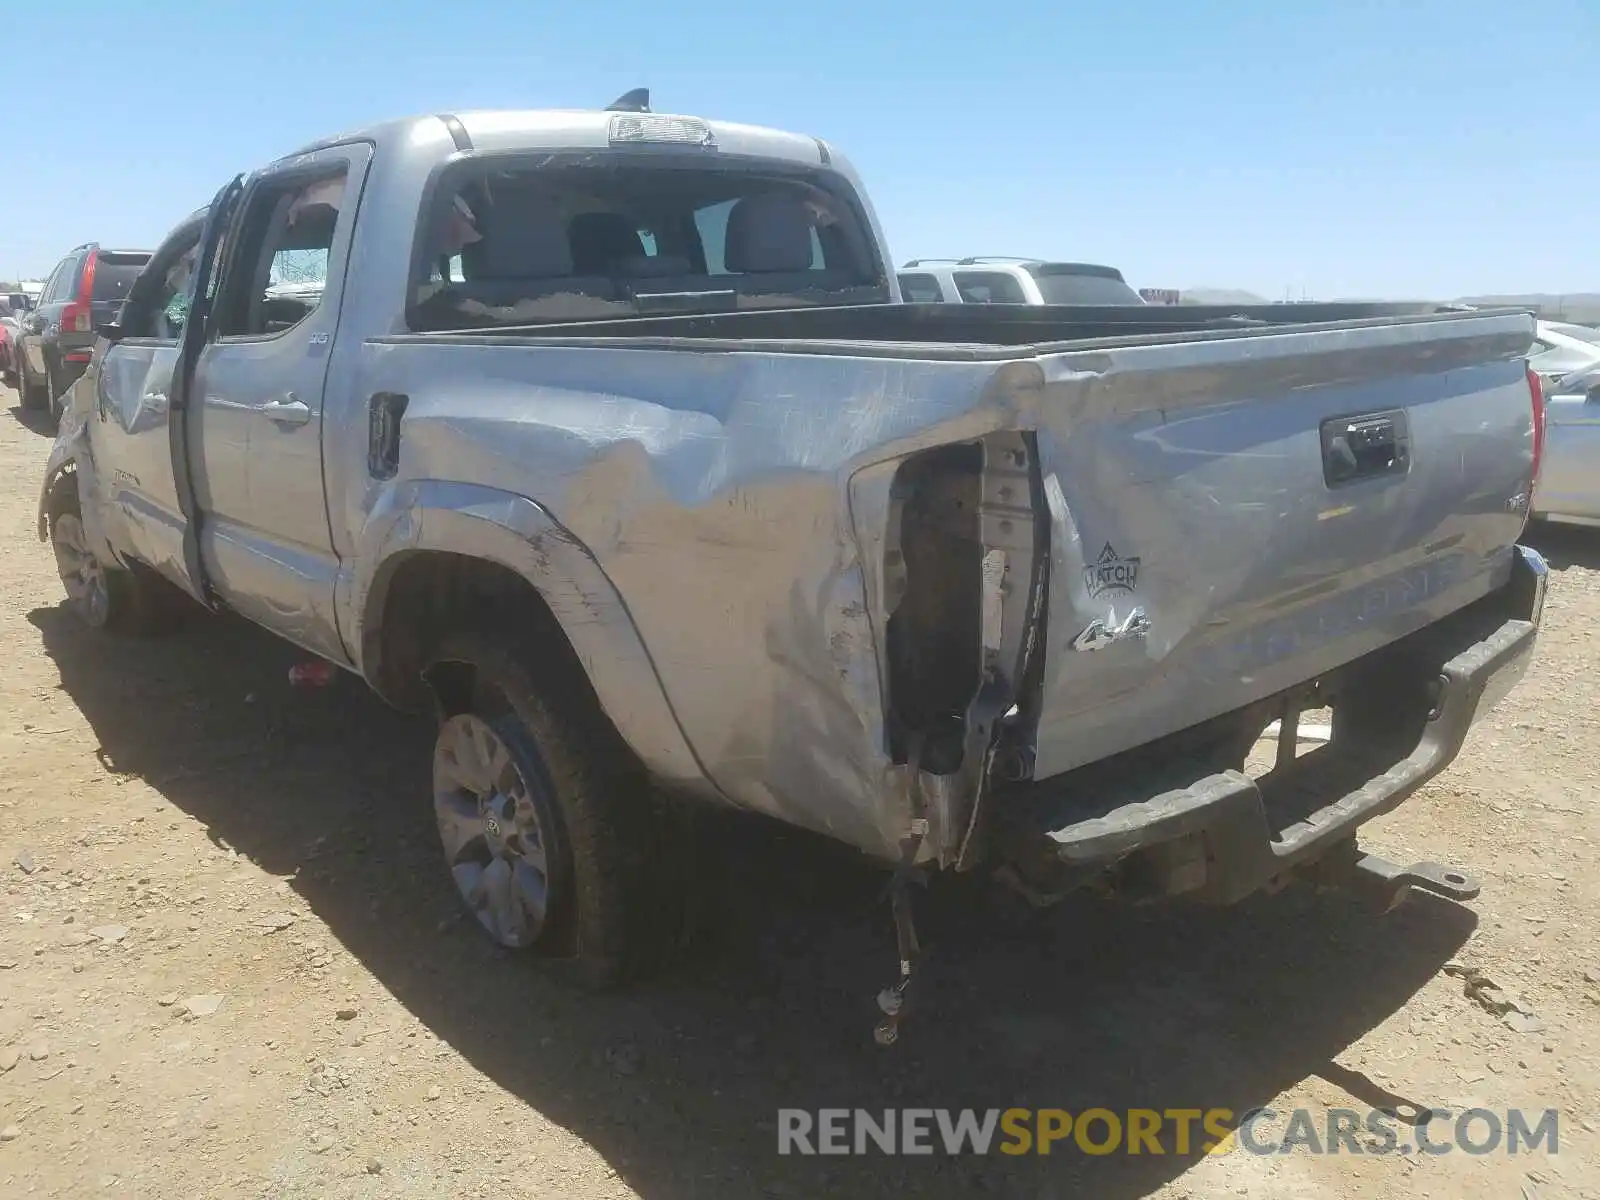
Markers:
point(230, 965)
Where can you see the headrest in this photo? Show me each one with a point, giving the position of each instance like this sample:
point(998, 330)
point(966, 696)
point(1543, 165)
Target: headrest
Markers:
point(602, 239)
point(310, 228)
point(771, 232)
point(523, 238)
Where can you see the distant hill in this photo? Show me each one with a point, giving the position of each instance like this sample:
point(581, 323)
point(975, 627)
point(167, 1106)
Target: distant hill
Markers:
point(1220, 296)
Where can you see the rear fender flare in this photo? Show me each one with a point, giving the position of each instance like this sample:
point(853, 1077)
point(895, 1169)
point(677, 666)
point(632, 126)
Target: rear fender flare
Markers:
point(517, 533)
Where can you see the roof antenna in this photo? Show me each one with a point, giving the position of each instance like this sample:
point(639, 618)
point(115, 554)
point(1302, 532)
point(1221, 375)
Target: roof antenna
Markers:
point(637, 101)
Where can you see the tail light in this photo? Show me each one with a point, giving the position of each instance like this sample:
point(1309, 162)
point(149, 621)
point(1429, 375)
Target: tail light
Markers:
point(78, 316)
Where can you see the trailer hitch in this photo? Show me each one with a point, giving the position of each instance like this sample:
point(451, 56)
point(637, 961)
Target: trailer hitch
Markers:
point(1385, 884)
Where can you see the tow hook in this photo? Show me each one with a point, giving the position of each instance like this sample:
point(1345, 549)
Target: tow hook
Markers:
point(1385, 884)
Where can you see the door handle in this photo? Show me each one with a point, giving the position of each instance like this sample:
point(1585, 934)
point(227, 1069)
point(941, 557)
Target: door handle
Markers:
point(288, 411)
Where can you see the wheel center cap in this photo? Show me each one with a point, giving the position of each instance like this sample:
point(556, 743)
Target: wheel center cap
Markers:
point(497, 820)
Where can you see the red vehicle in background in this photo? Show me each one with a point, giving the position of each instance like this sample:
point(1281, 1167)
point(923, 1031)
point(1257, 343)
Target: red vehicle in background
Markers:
point(53, 342)
point(8, 344)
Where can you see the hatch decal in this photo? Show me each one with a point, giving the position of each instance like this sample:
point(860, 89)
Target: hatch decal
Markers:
point(1111, 573)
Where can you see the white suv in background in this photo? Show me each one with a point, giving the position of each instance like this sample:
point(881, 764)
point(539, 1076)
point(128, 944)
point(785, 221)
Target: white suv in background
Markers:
point(1012, 281)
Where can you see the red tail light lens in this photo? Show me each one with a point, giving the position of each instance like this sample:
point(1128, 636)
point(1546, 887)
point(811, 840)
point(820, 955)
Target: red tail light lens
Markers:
point(78, 316)
point(1536, 396)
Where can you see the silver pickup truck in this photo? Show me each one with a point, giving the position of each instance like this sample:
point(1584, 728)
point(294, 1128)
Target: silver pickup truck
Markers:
point(605, 434)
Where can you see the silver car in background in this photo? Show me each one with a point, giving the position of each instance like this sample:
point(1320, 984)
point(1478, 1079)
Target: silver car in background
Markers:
point(1560, 349)
point(1569, 366)
point(981, 280)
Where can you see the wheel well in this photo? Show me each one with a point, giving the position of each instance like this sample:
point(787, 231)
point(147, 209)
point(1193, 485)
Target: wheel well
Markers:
point(66, 476)
point(433, 593)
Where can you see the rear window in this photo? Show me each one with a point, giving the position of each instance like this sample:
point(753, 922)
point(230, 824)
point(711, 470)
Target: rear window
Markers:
point(504, 243)
point(1063, 285)
point(115, 271)
point(989, 287)
point(921, 288)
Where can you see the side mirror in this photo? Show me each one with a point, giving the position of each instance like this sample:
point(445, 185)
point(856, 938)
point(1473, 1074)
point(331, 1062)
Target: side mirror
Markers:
point(110, 330)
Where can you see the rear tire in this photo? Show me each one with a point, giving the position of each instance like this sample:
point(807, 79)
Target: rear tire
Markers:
point(563, 804)
point(27, 390)
point(55, 394)
point(113, 599)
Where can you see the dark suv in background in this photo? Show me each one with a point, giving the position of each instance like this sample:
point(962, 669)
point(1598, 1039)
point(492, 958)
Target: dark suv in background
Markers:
point(85, 290)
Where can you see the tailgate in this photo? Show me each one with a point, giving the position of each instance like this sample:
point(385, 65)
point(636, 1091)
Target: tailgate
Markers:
point(1230, 518)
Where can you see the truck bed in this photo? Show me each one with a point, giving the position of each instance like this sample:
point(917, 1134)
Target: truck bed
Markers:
point(968, 330)
point(768, 490)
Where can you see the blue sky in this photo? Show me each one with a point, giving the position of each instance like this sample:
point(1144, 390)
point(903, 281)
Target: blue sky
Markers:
point(1340, 147)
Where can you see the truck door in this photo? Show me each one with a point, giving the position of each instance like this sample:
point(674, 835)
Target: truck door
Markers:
point(257, 394)
point(132, 382)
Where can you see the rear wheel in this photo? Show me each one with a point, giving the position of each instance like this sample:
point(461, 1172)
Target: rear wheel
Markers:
point(54, 392)
point(549, 826)
point(111, 598)
point(30, 393)
point(493, 801)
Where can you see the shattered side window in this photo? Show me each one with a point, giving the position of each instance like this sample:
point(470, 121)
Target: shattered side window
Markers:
point(174, 300)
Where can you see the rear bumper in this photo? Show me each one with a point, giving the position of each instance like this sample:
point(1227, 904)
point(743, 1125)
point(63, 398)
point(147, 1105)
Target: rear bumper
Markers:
point(72, 359)
point(1166, 822)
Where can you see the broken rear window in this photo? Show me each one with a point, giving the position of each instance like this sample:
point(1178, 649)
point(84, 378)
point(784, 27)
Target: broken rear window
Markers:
point(514, 245)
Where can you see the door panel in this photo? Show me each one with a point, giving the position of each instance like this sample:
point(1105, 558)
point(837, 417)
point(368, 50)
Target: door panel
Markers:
point(133, 394)
point(133, 384)
point(258, 389)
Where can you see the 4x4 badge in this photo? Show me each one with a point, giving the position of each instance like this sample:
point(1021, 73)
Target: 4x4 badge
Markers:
point(1110, 573)
point(1101, 633)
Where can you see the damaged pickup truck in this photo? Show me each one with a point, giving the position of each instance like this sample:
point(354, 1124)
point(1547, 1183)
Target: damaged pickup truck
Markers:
point(605, 435)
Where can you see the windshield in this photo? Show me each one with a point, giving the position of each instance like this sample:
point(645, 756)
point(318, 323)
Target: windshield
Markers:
point(521, 245)
point(1065, 286)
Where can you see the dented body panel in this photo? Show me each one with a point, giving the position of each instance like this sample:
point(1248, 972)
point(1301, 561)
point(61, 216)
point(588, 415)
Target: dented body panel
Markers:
point(864, 585)
point(742, 505)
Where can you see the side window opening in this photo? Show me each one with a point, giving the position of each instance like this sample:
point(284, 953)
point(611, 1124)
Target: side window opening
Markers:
point(174, 298)
point(277, 277)
point(157, 298)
